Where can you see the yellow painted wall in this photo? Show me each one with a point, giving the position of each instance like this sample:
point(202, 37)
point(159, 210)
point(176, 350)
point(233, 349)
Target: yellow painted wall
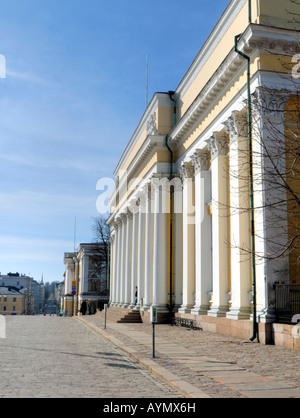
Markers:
point(229, 95)
point(164, 123)
point(159, 156)
point(216, 58)
point(279, 13)
point(9, 304)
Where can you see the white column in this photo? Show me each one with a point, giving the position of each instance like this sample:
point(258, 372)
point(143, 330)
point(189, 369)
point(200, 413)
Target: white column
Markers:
point(119, 262)
point(148, 274)
point(112, 267)
point(123, 261)
point(177, 243)
point(188, 239)
point(160, 252)
point(141, 253)
point(271, 226)
point(236, 127)
point(85, 273)
point(128, 265)
point(203, 251)
point(134, 255)
point(218, 147)
point(116, 263)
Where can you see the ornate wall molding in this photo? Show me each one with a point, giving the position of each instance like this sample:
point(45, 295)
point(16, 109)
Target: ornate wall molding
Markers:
point(151, 125)
point(269, 103)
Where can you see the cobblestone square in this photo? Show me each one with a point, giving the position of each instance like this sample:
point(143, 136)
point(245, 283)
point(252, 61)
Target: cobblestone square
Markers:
point(52, 357)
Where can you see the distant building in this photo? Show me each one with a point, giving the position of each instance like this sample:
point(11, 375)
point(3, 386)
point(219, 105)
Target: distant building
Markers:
point(86, 275)
point(12, 301)
point(20, 281)
point(27, 286)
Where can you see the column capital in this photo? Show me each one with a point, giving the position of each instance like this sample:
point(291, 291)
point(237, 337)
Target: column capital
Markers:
point(217, 144)
point(157, 181)
point(200, 161)
point(129, 216)
point(270, 102)
point(121, 219)
point(186, 171)
point(236, 125)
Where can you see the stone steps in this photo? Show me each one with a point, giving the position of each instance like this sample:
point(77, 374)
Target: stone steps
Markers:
point(122, 315)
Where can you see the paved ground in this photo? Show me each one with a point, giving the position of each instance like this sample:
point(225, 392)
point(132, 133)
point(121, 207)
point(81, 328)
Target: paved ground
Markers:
point(52, 357)
point(46, 357)
point(202, 364)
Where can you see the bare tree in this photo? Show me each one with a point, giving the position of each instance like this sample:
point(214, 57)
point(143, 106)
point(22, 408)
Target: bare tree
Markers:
point(276, 173)
point(101, 236)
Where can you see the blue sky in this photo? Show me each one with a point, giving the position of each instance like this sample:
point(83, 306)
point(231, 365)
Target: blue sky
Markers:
point(73, 94)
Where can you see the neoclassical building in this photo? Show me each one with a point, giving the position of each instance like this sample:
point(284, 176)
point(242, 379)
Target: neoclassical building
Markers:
point(188, 193)
point(85, 278)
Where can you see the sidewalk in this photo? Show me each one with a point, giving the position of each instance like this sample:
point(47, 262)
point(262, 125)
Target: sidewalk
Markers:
point(200, 364)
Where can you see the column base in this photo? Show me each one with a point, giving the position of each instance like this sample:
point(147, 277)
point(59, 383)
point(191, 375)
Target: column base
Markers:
point(161, 309)
point(218, 311)
point(185, 309)
point(200, 310)
point(266, 316)
point(238, 313)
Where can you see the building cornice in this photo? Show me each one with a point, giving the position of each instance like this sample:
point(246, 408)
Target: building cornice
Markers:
point(159, 99)
point(256, 39)
point(217, 34)
point(150, 147)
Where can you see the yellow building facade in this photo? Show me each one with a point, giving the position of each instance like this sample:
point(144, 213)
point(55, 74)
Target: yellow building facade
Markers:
point(182, 213)
point(12, 302)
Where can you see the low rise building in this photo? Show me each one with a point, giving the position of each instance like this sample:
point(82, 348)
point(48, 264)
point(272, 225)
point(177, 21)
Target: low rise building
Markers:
point(12, 301)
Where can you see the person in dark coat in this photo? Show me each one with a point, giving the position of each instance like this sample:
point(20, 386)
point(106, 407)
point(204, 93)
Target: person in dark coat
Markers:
point(83, 308)
point(136, 295)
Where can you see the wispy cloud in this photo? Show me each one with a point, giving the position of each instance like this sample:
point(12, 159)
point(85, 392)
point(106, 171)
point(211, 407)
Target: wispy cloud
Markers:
point(25, 76)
